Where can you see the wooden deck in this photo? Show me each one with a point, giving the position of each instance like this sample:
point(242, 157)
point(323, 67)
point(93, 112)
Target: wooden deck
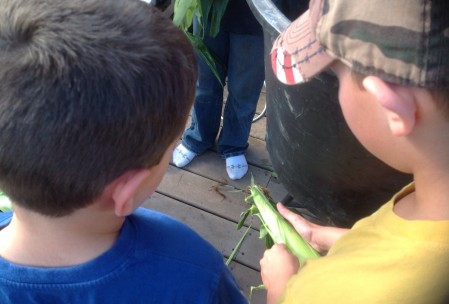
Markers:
point(202, 196)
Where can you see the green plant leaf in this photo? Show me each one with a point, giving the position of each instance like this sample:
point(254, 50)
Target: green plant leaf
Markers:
point(243, 218)
point(253, 288)
point(263, 232)
point(205, 11)
point(218, 10)
point(237, 247)
point(183, 13)
point(203, 51)
point(204, 7)
point(5, 202)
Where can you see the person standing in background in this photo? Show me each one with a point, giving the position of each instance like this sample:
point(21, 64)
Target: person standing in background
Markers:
point(239, 47)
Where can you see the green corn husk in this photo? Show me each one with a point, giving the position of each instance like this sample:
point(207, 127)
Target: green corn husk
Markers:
point(274, 227)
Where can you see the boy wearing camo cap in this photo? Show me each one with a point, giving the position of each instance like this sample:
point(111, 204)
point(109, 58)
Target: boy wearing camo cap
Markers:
point(392, 62)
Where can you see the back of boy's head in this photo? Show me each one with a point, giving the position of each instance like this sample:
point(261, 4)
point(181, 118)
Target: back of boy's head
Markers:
point(89, 89)
point(404, 42)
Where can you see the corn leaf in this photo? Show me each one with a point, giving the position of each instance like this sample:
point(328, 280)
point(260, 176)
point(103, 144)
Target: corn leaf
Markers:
point(237, 247)
point(183, 13)
point(203, 51)
point(204, 7)
point(277, 229)
point(5, 202)
point(217, 12)
point(253, 288)
point(250, 211)
point(205, 10)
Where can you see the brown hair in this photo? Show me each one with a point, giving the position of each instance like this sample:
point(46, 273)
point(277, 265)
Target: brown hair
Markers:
point(441, 97)
point(88, 90)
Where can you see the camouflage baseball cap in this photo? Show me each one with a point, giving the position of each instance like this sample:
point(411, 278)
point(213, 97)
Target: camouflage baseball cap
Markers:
point(400, 41)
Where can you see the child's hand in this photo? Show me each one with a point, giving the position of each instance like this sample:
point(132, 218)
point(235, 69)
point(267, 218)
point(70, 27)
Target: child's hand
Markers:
point(320, 237)
point(277, 266)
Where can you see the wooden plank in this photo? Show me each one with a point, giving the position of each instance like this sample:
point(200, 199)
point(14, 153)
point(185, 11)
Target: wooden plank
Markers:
point(276, 189)
point(225, 200)
point(257, 154)
point(258, 128)
point(203, 193)
point(246, 278)
point(220, 232)
point(212, 166)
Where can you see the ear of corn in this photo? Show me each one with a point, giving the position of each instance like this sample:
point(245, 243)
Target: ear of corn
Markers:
point(274, 227)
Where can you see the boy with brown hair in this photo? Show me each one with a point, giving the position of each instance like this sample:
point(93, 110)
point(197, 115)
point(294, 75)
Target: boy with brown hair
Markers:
point(93, 96)
point(392, 62)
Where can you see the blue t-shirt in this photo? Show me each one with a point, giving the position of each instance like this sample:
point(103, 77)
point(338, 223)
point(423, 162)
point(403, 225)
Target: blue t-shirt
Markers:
point(156, 259)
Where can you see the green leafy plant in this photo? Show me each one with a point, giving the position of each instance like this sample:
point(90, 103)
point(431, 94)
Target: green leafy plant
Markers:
point(5, 202)
point(207, 12)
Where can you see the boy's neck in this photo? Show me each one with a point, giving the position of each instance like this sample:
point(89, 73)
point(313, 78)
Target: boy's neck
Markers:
point(424, 153)
point(36, 240)
point(429, 201)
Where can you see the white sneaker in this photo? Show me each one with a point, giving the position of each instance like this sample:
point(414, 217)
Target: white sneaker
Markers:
point(182, 156)
point(236, 166)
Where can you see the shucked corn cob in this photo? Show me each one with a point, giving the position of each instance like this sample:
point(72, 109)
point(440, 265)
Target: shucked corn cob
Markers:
point(279, 229)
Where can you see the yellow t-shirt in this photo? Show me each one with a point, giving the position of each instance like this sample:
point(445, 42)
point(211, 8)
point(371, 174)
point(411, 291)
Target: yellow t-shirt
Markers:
point(382, 259)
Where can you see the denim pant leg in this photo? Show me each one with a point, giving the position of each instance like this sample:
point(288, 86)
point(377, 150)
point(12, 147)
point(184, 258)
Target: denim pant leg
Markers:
point(206, 111)
point(245, 80)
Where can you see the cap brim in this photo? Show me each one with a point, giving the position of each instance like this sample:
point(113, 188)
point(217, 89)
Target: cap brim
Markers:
point(296, 55)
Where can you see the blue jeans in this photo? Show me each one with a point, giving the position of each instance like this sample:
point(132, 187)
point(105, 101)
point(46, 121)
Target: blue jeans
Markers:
point(244, 57)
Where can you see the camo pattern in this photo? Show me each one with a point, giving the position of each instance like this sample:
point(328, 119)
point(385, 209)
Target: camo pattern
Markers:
point(401, 41)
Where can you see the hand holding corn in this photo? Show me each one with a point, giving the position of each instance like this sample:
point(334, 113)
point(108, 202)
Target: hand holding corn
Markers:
point(321, 238)
point(274, 227)
point(287, 234)
point(277, 266)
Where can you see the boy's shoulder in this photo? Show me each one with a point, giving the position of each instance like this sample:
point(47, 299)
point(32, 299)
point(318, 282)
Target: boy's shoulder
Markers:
point(156, 258)
point(5, 218)
point(175, 254)
point(147, 230)
point(168, 236)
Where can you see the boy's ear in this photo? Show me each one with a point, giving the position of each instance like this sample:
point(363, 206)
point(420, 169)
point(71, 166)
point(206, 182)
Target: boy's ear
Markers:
point(124, 190)
point(399, 103)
